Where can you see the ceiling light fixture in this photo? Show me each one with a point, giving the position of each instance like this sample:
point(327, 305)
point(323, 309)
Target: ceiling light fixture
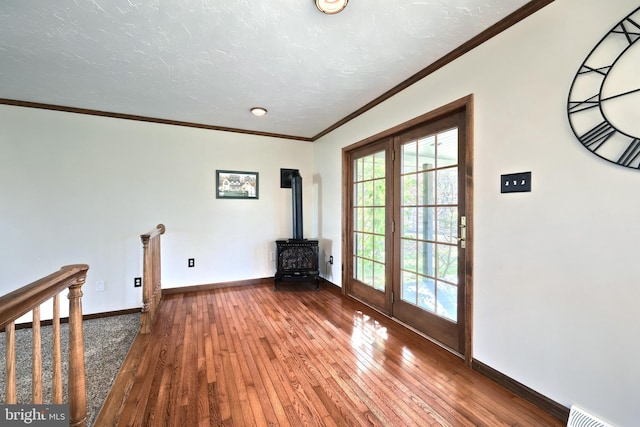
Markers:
point(331, 6)
point(258, 111)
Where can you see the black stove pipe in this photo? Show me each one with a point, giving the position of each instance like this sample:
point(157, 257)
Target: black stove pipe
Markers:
point(296, 198)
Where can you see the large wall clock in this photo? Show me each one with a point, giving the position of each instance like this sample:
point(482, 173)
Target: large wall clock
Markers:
point(604, 99)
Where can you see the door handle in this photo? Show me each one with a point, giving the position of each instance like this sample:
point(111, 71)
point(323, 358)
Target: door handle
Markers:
point(463, 232)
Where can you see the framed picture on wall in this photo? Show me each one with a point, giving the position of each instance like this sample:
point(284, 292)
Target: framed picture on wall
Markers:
point(236, 185)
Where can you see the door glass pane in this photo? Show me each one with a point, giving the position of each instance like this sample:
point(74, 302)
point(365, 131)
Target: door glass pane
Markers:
point(427, 259)
point(447, 268)
point(426, 223)
point(379, 281)
point(367, 193)
point(426, 191)
point(380, 162)
point(358, 192)
point(409, 157)
point(429, 209)
point(379, 248)
point(367, 168)
point(409, 218)
point(370, 219)
point(410, 189)
point(357, 170)
point(409, 257)
point(367, 246)
point(427, 152)
point(447, 301)
point(447, 225)
point(409, 289)
point(427, 294)
point(379, 215)
point(447, 148)
point(367, 273)
point(379, 192)
point(367, 219)
point(447, 186)
point(357, 268)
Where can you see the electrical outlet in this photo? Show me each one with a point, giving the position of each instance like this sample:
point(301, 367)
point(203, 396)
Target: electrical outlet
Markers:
point(515, 182)
point(191, 262)
point(331, 259)
point(100, 286)
point(137, 282)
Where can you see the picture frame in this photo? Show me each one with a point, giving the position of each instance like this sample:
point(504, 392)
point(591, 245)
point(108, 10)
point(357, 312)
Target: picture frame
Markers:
point(232, 184)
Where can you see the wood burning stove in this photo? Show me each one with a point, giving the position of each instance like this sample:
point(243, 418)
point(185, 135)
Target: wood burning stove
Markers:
point(297, 258)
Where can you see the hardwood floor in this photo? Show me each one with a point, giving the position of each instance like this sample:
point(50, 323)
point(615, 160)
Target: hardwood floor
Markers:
point(249, 356)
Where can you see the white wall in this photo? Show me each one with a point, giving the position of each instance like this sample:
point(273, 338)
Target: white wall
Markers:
point(556, 271)
point(81, 189)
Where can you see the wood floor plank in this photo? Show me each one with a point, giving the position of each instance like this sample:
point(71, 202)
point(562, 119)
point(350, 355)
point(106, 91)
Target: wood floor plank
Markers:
point(249, 356)
point(400, 413)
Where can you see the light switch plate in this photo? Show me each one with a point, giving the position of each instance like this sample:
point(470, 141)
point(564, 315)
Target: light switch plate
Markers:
point(515, 182)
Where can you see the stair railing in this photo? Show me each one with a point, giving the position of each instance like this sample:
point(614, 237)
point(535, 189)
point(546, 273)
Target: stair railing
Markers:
point(151, 278)
point(29, 298)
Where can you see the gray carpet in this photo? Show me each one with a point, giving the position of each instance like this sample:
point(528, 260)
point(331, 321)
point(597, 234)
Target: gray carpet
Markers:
point(106, 341)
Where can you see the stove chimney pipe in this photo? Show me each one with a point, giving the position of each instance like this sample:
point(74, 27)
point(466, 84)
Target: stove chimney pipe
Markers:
point(296, 198)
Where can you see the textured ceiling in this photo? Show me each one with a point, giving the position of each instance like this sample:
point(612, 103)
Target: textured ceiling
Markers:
point(209, 61)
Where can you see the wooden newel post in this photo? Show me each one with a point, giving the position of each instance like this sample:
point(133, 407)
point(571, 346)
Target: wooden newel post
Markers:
point(77, 390)
point(151, 277)
point(146, 289)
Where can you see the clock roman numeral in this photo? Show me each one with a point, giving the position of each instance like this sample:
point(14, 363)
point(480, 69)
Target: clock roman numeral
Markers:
point(585, 69)
point(630, 154)
point(631, 36)
point(597, 136)
point(578, 106)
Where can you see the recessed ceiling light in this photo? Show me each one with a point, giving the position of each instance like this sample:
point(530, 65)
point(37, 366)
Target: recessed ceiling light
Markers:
point(331, 6)
point(258, 111)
